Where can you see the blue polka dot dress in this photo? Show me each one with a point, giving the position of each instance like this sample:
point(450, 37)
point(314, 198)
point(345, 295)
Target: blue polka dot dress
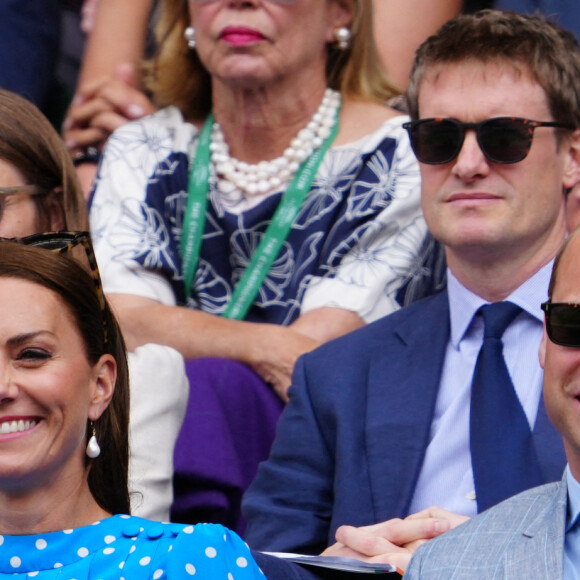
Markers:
point(126, 547)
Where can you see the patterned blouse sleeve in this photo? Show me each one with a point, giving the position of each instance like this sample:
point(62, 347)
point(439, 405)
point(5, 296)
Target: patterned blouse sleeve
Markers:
point(212, 551)
point(124, 227)
point(389, 252)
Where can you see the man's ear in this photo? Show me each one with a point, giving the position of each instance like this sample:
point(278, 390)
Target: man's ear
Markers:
point(103, 385)
point(572, 170)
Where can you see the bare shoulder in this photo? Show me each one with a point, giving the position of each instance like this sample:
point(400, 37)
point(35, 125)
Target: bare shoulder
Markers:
point(360, 118)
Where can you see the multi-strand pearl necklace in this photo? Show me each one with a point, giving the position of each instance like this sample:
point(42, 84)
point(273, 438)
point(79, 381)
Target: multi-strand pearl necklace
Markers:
point(269, 176)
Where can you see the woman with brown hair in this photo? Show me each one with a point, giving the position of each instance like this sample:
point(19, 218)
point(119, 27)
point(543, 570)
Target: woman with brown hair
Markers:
point(64, 411)
point(39, 190)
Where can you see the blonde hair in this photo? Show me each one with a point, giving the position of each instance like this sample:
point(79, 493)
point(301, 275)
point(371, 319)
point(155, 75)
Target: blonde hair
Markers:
point(176, 76)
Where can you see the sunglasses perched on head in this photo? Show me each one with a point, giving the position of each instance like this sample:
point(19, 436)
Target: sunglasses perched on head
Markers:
point(62, 243)
point(563, 323)
point(501, 139)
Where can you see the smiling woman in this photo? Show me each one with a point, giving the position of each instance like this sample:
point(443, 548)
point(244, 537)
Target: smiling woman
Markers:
point(63, 382)
point(40, 192)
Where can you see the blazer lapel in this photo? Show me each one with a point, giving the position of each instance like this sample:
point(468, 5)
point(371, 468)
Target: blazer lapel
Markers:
point(539, 551)
point(404, 377)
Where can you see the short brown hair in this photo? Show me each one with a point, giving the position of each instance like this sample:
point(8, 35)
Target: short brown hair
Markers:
point(176, 76)
point(29, 143)
point(531, 44)
point(107, 475)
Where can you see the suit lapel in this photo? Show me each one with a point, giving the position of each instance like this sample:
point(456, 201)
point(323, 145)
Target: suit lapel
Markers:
point(538, 551)
point(404, 378)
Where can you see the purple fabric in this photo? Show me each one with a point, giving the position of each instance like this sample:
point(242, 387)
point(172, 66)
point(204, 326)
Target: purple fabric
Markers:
point(229, 426)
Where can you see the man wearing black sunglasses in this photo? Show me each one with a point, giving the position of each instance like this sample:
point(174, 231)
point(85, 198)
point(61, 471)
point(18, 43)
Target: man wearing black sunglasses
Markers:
point(537, 532)
point(440, 403)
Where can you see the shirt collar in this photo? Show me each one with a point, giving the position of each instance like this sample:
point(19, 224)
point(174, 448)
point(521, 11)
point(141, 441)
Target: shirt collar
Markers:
point(463, 304)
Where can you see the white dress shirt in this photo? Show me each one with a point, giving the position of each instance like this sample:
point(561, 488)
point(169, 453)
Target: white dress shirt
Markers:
point(446, 477)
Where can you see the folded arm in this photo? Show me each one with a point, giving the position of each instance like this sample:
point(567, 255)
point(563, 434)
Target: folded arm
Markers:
point(271, 350)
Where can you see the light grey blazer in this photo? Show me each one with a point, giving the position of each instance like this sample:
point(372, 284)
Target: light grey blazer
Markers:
point(520, 538)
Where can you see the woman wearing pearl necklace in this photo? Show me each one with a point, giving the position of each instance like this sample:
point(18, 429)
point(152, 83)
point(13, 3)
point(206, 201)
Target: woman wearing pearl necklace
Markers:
point(258, 214)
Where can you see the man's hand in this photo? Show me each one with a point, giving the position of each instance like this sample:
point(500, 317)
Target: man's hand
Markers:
point(393, 541)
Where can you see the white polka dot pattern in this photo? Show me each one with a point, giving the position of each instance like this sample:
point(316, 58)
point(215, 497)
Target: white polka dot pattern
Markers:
point(141, 549)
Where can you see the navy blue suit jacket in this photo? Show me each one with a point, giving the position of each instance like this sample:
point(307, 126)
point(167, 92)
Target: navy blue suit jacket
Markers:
point(351, 442)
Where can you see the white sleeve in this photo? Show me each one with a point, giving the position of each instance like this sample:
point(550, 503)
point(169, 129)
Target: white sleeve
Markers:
point(123, 225)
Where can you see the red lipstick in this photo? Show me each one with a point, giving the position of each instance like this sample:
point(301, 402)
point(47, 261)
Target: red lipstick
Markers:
point(240, 35)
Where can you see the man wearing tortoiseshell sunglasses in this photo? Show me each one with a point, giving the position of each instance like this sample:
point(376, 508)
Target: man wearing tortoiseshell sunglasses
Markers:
point(440, 404)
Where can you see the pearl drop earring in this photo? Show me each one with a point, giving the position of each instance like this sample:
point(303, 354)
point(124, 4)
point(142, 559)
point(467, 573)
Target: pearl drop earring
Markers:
point(342, 36)
point(189, 35)
point(93, 449)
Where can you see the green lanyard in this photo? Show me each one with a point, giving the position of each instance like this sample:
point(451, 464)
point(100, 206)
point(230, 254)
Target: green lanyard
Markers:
point(274, 237)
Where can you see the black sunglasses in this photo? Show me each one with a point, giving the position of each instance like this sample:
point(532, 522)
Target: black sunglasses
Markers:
point(563, 323)
point(62, 243)
point(501, 139)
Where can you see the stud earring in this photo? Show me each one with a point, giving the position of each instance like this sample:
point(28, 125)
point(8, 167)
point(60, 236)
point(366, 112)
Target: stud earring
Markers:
point(189, 34)
point(342, 36)
point(93, 449)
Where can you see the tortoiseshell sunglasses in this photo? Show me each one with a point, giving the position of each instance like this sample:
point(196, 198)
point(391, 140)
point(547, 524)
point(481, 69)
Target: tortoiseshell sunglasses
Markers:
point(62, 243)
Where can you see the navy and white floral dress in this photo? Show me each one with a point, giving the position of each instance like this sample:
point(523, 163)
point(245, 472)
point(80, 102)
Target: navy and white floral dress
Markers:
point(126, 547)
point(359, 242)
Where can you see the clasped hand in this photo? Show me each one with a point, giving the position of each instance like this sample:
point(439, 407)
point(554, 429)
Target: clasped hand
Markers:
point(393, 541)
